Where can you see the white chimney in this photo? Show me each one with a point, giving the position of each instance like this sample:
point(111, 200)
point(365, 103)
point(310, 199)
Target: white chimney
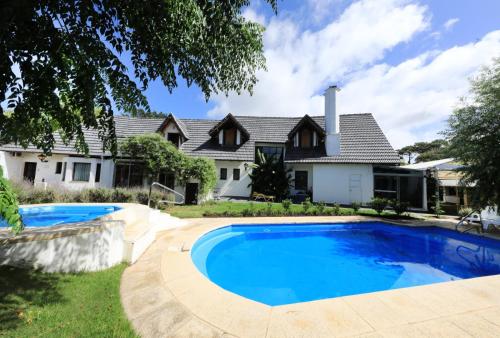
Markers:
point(332, 122)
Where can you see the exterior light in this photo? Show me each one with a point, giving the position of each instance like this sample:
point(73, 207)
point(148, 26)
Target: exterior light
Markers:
point(42, 157)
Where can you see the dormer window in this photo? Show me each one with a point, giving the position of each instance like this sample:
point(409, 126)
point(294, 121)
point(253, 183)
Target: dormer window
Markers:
point(229, 132)
point(306, 134)
point(175, 138)
point(174, 130)
point(230, 137)
point(305, 138)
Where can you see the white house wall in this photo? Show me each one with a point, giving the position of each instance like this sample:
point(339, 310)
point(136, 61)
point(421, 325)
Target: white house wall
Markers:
point(46, 171)
point(333, 183)
point(230, 187)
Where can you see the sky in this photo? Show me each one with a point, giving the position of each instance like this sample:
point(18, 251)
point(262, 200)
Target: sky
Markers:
point(406, 62)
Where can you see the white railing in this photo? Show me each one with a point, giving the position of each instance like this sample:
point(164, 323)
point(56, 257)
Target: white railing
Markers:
point(172, 191)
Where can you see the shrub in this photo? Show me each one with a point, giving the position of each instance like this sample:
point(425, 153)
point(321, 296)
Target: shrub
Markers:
point(120, 195)
point(438, 211)
point(355, 205)
point(269, 208)
point(336, 209)
point(379, 204)
point(247, 212)
point(98, 195)
point(286, 204)
point(142, 196)
point(306, 205)
point(399, 207)
point(37, 196)
point(321, 208)
point(462, 212)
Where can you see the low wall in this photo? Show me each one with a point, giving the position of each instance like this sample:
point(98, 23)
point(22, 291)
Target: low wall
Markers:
point(88, 246)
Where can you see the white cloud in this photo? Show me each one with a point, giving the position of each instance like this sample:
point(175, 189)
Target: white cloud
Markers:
point(450, 23)
point(318, 10)
point(300, 64)
point(410, 100)
point(413, 99)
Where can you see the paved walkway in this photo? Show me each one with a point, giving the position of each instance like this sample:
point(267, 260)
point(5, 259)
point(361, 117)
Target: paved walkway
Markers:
point(165, 296)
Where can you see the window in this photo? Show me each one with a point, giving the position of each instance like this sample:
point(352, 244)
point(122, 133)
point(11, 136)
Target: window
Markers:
point(58, 167)
point(301, 180)
point(64, 172)
point(98, 173)
point(223, 174)
point(275, 152)
point(81, 172)
point(385, 186)
point(129, 175)
point(451, 191)
point(236, 174)
point(230, 137)
point(167, 179)
point(174, 138)
point(305, 138)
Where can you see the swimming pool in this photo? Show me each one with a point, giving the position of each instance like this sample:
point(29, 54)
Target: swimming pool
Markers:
point(279, 264)
point(50, 215)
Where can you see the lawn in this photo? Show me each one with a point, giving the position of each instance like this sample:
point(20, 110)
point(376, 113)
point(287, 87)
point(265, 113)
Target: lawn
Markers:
point(36, 304)
point(235, 208)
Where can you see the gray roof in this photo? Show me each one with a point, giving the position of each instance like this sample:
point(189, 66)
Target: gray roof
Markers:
point(362, 140)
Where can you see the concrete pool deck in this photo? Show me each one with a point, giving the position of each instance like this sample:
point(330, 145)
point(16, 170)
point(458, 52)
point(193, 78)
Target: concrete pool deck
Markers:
point(164, 295)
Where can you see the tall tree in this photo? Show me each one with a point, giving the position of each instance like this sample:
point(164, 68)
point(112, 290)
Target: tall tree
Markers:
point(61, 59)
point(474, 135)
point(425, 151)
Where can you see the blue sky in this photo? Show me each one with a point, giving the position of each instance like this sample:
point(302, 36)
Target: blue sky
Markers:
point(407, 62)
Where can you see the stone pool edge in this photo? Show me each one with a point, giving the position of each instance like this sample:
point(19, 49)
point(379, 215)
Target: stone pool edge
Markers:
point(205, 309)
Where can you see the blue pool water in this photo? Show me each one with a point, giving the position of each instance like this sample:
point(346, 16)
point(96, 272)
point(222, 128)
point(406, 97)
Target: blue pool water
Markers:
point(283, 264)
point(43, 216)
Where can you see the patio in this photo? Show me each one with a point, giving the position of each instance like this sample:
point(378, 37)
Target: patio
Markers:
point(163, 294)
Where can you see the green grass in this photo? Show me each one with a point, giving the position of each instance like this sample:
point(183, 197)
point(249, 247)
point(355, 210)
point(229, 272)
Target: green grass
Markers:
point(36, 304)
point(197, 211)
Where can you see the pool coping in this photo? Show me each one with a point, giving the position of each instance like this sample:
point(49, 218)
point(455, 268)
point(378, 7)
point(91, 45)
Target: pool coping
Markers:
point(29, 234)
point(176, 286)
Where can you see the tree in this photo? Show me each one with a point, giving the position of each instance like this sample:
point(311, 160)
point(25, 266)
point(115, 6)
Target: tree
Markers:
point(155, 152)
point(425, 151)
point(150, 114)
point(159, 155)
point(9, 209)
point(270, 177)
point(61, 59)
point(474, 136)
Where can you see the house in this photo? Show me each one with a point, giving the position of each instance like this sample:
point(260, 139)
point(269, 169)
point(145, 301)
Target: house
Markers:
point(339, 158)
point(452, 193)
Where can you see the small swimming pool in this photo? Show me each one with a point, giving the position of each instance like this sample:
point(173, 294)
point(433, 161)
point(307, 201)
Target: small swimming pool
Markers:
point(283, 264)
point(50, 215)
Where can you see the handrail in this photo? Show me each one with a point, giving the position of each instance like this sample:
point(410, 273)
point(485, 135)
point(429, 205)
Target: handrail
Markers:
point(169, 190)
point(465, 218)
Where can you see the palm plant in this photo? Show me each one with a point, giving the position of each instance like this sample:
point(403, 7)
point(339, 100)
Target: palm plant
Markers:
point(270, 177)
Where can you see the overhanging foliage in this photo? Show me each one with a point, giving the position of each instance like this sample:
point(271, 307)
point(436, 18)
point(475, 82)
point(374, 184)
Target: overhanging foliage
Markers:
point(61, 59)
point(474, 135)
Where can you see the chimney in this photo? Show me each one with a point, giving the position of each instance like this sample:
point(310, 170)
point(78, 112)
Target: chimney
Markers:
point(332, 122)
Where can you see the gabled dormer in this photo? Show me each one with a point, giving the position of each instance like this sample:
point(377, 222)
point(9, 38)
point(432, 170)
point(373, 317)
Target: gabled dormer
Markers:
point(229, 132)
point(174, 130)
point(306, 134)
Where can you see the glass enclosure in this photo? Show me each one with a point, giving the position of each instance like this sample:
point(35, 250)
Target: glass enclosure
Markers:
point(404, 185)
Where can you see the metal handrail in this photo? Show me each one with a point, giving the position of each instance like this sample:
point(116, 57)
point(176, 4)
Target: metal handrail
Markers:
point(465, 219)
point(183, 199)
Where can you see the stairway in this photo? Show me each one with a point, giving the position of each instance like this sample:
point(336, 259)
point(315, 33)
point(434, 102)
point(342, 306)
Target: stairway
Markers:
point(139, 236)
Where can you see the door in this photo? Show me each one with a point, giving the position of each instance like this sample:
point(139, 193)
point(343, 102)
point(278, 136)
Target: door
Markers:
point(192, 193)
point(29, 171)
point(355, 188)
